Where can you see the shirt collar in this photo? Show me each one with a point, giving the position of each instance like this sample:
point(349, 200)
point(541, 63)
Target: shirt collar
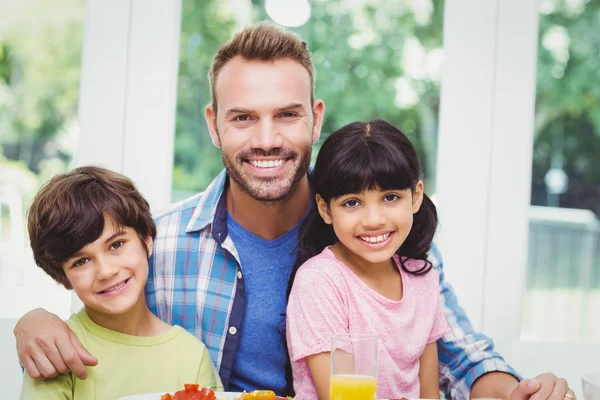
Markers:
point(211, 209)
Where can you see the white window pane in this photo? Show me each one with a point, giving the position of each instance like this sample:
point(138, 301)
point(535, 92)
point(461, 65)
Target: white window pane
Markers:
point(40, 53)
point(562, 299)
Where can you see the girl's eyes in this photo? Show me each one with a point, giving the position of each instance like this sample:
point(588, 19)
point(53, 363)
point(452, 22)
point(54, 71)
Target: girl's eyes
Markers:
point(351, 203)
point(390, 197)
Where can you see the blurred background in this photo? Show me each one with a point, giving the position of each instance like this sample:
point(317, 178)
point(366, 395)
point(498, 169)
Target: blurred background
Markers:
point(374, 59)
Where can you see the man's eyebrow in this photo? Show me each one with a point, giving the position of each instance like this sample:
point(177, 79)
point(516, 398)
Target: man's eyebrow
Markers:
point(292, 106)
point(236, 110)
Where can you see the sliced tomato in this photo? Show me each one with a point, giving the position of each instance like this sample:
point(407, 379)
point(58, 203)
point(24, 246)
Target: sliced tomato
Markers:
point(191, 392)
point(166, 396)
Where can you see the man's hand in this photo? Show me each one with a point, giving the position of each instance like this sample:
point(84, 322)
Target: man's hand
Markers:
point(543, 387)
point(47, 346)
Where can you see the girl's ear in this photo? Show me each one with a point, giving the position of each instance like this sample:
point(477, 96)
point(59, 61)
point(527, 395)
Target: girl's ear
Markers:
point(417, 197)
point(323, 209)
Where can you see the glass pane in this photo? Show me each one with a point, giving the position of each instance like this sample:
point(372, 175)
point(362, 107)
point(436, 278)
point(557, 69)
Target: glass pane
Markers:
point(40, 53)
point(372, 61)
point(563, 279)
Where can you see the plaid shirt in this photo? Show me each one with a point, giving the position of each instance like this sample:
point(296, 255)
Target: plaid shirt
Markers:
point(196, 281)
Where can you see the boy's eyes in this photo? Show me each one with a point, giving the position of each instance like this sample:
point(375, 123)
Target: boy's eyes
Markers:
point(115, 246)
point(80, 262)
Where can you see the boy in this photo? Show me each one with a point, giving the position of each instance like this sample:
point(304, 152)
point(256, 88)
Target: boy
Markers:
point(91, 231)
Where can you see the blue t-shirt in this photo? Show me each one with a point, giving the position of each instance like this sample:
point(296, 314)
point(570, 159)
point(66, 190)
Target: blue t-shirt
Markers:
point(266, 265)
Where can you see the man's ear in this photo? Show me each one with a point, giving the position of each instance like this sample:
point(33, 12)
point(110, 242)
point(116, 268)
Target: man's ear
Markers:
point(211, 123)
point(417, 197)
point(323, 208)
point(318, 113)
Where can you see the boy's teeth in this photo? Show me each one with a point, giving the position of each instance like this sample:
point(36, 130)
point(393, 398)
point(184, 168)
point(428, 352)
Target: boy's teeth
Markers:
point(267, 164)
point(119, 286)
point(375, 239)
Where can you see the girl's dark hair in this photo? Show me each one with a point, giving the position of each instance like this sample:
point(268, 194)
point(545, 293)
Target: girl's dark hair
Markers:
point(363, 156)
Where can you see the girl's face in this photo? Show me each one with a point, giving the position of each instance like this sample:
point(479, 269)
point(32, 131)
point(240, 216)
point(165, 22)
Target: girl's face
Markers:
point(109, 274)
point(373, 224)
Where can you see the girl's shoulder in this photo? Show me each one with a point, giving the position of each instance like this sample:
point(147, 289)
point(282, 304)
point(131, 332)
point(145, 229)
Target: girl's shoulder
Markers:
point(323, 265)
point(430, 278)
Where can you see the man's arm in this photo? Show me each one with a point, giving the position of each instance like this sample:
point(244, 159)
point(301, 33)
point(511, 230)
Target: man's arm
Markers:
point(469, 365)
point(465, 355)
point(48, 347)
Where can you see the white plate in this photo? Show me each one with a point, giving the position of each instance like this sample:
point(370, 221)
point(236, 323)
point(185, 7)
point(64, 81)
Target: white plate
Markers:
point(156, 396)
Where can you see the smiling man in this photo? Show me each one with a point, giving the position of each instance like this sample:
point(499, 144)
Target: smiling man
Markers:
point(222, 258)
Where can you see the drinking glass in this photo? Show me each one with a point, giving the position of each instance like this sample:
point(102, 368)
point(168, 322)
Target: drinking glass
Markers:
point(354, 362)
point(591, 386)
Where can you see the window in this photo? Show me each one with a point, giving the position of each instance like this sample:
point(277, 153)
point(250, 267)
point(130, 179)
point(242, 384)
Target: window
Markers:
point(562, 297)
point(40, 52)
point(372, 61)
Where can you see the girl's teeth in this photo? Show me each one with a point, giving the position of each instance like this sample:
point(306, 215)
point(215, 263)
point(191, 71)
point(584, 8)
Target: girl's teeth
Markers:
point(375, 239)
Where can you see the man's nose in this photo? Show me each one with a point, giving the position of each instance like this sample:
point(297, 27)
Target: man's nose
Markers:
point(267, 136)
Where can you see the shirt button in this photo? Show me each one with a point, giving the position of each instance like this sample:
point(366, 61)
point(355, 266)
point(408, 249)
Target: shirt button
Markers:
point(232, 330)
point(239, 274)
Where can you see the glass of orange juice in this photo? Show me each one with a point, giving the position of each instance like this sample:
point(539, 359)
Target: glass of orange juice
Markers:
point(354, 360)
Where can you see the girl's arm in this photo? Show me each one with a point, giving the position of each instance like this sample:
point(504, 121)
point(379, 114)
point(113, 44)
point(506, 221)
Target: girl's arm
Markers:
point(428, 373)
point(318, 365)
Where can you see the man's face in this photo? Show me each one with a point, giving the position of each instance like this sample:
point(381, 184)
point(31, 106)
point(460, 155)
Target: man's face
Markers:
point(265, 126)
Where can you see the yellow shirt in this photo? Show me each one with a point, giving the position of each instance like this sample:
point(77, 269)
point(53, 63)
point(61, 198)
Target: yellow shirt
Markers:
point(128, 365)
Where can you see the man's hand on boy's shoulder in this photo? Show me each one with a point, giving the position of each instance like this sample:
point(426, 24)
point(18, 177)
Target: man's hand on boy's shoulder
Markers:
point(48, 347)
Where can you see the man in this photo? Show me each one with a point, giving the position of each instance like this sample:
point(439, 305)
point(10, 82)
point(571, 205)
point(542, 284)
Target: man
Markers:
point(222, 258)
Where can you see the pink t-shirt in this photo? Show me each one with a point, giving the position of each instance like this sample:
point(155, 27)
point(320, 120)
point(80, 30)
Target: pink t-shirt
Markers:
point(328, 298)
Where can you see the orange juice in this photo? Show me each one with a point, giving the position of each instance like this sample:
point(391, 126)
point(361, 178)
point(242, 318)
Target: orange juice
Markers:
point(353, 387)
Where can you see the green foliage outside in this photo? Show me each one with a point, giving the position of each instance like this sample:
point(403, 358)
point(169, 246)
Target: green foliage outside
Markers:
point(363, 72)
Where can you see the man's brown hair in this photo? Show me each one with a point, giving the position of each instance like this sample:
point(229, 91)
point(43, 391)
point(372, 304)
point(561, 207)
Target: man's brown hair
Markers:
point(68, 213)
point(264, 42)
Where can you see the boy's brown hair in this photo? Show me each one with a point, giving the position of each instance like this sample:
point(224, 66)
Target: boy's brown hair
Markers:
point(68, 213)
point(264, 42)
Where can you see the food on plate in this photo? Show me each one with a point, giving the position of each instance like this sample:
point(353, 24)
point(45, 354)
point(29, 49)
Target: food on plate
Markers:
point(261, 395)
point(191, 392)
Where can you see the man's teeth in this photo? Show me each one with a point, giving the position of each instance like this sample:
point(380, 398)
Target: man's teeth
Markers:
point(119, 286)
point(267, 164)
point(374, 239)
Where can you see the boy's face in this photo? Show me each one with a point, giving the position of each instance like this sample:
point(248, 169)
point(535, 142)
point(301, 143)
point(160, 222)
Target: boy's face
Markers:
point(109, 274)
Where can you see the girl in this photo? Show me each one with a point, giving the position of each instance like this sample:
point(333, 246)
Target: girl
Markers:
point(362, 265)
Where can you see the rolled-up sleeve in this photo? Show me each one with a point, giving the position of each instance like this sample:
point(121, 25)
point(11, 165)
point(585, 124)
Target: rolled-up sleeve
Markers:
point(464, 354)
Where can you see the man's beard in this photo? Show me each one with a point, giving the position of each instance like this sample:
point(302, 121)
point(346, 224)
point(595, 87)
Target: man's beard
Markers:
point(269, 189)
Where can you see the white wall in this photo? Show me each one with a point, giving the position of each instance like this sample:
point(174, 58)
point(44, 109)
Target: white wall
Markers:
point(128, 92)
point(484, 157)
